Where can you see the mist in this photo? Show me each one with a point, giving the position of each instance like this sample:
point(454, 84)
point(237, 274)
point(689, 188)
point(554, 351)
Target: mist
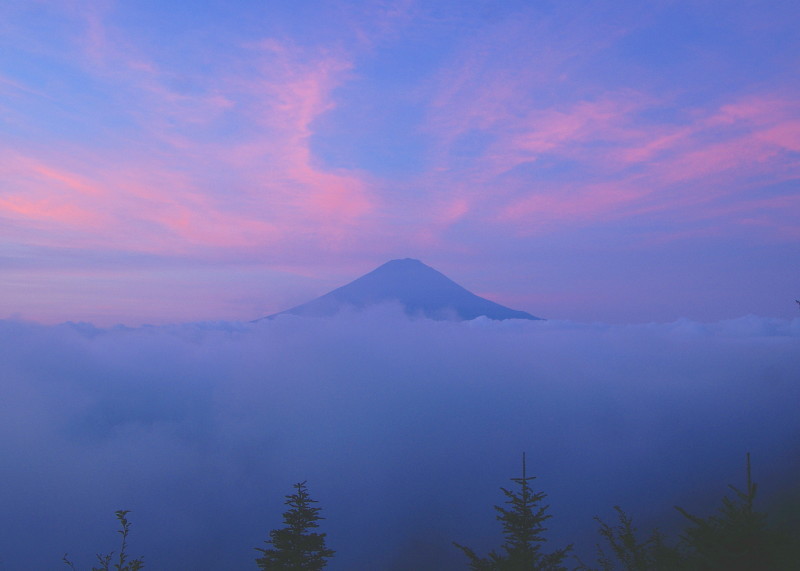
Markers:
point(405, 429)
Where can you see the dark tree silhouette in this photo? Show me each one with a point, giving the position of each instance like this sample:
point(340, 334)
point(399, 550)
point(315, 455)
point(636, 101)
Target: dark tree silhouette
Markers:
point(628, 552)
point(295, 546)
point(736, 539)
point(523, 529)
point(107, 561)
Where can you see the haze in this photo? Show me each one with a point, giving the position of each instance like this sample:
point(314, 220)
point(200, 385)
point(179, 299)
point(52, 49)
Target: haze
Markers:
point(405, 430)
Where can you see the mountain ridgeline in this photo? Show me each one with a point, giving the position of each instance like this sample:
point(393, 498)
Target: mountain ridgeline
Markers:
point(418, 288)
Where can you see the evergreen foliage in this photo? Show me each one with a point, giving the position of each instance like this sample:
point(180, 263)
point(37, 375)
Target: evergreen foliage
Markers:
point(295, 546)
point(523, 529)
point(629, 553)
point(736, 539)
point(122, 563)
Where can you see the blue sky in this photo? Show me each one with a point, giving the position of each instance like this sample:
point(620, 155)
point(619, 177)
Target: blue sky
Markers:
point(624, 161)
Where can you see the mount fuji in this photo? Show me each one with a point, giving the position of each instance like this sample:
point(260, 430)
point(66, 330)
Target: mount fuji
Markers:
point(418, 288)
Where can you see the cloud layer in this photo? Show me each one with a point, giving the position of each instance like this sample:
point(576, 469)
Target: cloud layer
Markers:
point(404, 429)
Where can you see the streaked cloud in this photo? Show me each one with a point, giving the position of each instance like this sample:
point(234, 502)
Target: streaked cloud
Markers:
point(336, 140)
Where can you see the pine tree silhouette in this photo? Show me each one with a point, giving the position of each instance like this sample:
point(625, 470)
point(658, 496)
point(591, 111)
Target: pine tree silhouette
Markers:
point(737, 538)
point(523, 529)
point(630, 553)
point(295, 546)
point(122, 562)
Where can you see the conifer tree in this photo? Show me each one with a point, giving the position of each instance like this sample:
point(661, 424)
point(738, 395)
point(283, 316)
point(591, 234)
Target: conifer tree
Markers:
point(295, 546)
point(107, 562)
point(630, 553)
point(523, 529)
point(736, 539)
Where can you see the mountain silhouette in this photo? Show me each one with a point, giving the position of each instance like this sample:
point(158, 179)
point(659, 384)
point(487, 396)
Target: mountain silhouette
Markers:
point(418, 288)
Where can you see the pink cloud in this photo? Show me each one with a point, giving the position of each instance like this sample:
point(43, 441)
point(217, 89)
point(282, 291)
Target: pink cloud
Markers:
point(648, 150)
point(551, 129)
point(142, 196)
point(49, 211)
point(554, 205)
point(286, 100)
point(570, 131)
point(518, 64)
point(626, 162)
point(39, 193)
point(785, 136)
point(451, 211)
point(744, 136)
point(108, 204)
point(640, 170)
point(173, 184)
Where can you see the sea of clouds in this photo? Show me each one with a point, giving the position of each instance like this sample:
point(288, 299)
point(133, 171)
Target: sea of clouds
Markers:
point(404, 429)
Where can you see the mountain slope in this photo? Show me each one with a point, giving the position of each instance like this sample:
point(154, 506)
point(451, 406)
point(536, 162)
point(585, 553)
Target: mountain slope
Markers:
point(420, 290)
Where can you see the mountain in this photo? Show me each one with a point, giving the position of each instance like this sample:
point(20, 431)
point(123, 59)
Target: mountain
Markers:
point(418, 288)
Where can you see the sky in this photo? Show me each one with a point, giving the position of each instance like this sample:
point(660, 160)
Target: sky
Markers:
point(628, 170)
point(404, 429)
point(620, 162)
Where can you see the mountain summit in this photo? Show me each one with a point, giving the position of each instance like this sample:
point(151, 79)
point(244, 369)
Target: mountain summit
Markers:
point(418, 288)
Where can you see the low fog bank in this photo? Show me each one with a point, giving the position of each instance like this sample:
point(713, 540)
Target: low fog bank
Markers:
point(405, 430)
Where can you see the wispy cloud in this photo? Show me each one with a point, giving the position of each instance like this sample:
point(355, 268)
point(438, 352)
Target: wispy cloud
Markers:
point(357, 133)
point(547, 146)
point(612, 161)
point(157, 195)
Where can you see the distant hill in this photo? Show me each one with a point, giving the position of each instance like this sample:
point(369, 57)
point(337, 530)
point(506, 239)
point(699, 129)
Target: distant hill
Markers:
point(418, 288)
